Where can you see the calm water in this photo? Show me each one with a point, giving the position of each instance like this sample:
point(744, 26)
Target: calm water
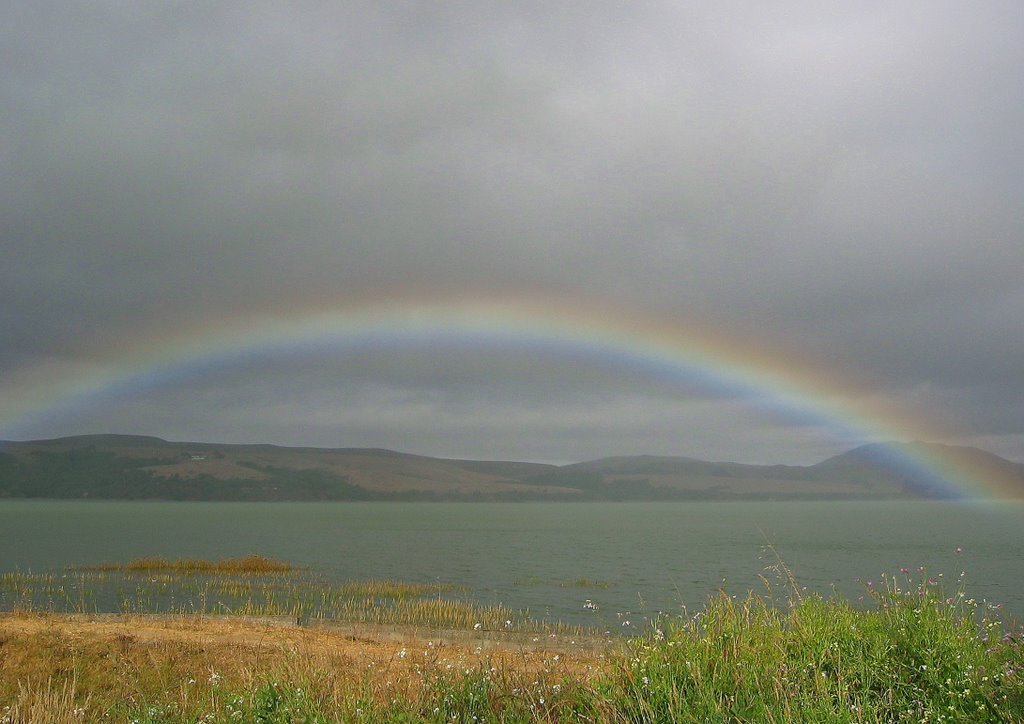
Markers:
point(647, 557)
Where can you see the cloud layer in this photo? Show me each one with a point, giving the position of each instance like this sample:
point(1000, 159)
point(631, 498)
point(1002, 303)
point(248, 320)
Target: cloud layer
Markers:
point(837, 183)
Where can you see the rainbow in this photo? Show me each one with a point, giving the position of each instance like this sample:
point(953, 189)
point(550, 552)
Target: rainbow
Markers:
point(669, 349)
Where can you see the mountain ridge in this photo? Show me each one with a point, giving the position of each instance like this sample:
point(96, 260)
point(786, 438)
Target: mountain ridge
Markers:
point(119, 466)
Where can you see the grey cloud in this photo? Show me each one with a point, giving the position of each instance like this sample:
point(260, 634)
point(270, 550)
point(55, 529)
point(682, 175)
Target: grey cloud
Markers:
point(840, 183)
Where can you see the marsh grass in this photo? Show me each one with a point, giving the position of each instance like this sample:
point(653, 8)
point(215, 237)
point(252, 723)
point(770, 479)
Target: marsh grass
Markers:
point(248, 564)
point(910, 652)
point(297, 594)
point(385, 588)
point(578, 582)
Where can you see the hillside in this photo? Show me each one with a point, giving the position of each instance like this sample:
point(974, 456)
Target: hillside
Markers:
point(148, 468)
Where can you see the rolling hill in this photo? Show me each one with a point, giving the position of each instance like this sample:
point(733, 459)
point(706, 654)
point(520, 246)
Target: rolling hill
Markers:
point(149, 468)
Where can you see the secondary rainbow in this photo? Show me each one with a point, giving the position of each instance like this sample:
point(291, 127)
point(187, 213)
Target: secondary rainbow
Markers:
point(668, 349)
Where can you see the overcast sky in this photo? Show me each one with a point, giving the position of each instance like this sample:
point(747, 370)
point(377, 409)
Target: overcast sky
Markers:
point(841, 182)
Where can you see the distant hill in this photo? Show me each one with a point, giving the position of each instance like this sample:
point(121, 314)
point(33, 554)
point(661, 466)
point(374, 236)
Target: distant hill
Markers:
point(148, 468)
point(884, 468)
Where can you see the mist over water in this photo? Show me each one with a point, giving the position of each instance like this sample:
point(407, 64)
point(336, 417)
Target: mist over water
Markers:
point(590, 563)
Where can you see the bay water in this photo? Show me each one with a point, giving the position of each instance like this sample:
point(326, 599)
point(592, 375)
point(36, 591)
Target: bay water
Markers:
point(602, 564)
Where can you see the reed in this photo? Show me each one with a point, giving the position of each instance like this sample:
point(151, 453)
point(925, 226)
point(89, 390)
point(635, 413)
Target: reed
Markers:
point(578, 582)
point(247, 564)
point(386, 588)
point(192, 590)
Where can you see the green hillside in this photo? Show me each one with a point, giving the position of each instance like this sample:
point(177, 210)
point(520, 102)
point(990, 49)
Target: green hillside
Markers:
point(148, 468)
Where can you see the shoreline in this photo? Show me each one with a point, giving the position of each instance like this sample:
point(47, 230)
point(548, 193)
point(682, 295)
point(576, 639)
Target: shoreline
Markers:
point(916, 654)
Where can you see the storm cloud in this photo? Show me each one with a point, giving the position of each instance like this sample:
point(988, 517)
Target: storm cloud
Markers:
point(838, 182)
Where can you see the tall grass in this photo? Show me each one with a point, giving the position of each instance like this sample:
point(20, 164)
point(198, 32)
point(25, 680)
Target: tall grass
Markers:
point(142, 588)
point(915, 654)
point(912, 652)
point(50, 702)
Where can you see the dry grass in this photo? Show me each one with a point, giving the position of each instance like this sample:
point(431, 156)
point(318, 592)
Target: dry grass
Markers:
point(77, 668)
point(50, 702)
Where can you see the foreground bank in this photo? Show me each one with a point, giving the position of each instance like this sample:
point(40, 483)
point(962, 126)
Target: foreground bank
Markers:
point(910, 652)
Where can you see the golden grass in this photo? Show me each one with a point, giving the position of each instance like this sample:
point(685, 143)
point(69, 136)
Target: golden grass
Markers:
point(51, 702)
point(66, 668)
point(247, 564)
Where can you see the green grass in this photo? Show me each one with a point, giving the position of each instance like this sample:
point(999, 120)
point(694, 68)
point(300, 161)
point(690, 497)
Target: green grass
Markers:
point(915, 655)
point(912, 653)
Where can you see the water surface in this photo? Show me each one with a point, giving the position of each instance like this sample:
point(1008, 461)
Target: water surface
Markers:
point(627, 559)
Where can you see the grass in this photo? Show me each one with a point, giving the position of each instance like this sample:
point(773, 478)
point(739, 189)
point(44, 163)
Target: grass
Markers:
point(247, 564)
point(252, 588)
point(912, 653)
point(579, 582)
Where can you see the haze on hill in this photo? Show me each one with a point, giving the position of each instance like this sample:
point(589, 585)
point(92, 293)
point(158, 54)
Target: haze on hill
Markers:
point(149, 468)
